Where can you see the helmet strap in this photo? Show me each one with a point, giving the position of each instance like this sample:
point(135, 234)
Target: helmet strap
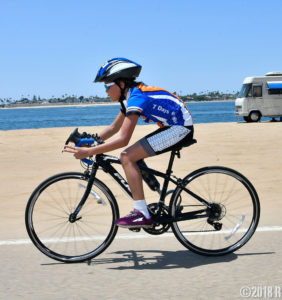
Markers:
point(122, 91)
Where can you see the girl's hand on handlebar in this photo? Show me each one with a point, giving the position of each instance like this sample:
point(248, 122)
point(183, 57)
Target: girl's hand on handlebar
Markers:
point(79, 152)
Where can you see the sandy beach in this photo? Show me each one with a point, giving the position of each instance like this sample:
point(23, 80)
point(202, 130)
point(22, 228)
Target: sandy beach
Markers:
point(27, 157)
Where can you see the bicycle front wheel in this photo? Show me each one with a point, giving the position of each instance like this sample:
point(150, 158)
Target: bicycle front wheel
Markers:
point(231, 219)
point(48, 220)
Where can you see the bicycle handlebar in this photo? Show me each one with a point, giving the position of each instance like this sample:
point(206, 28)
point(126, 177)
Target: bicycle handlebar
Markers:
point(91, 140)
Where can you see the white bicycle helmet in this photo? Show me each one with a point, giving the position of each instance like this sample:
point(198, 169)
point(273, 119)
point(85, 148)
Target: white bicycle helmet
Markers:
point(118, 68)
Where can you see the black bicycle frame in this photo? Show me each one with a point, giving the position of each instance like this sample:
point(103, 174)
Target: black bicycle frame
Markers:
point(105, 163)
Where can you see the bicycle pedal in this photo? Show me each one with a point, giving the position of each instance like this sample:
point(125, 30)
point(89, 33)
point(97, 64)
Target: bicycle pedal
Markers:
point(135, 229)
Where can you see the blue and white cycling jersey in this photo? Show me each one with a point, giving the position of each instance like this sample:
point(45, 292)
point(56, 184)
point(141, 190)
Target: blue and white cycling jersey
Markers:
point(157, 105)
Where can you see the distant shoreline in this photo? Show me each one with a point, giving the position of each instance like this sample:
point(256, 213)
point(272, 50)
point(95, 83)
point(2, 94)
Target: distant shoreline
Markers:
point(54, 105)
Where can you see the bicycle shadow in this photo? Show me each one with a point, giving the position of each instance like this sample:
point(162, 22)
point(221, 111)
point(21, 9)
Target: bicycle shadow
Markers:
point(155, 260)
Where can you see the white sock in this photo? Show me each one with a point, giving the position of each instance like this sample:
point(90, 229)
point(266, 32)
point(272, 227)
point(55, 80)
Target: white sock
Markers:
point(142, 206)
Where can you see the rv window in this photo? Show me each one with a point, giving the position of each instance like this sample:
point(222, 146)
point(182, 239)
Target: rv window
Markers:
point(275, 92)
point(274, 88)
point(257, 91)
point(249, 94)
point(246, 91)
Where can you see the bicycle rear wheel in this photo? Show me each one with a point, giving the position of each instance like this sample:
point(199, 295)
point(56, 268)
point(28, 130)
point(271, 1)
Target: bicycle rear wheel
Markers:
point(232, 218)
point(49, 209)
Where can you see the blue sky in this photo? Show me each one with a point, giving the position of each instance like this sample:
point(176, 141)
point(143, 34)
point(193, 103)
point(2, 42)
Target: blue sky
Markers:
point(55, 47)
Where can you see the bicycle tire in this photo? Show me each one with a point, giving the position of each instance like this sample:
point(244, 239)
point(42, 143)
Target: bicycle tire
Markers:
point(47, 218)
point(238, 213)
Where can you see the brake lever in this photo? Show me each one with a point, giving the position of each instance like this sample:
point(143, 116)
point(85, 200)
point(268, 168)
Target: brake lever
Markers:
point(79, 139)
point(74, 137)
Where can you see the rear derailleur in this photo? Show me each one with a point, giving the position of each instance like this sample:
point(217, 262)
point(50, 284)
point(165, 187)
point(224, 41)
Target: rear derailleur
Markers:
point(216, 213)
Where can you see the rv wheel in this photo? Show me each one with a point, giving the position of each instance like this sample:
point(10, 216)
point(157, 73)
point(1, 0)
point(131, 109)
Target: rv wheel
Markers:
point(254, 116)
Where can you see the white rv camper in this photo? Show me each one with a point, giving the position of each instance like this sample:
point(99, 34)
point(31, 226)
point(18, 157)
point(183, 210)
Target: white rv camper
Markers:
point(260, 97)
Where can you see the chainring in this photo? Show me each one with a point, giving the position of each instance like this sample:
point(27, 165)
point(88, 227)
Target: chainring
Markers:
point(158, 228)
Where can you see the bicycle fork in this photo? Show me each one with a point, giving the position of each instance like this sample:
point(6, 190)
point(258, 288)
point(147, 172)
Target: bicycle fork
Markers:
point(74, 216)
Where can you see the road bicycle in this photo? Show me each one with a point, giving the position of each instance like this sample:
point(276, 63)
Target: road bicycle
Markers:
point(70, 217)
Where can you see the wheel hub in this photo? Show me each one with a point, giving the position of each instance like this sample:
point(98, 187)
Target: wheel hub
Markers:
point(73, 218)
point(216, 212)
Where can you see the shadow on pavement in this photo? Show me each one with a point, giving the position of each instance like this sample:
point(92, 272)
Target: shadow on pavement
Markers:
point(154, 260)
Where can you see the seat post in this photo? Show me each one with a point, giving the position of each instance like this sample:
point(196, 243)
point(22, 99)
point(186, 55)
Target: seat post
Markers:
point(171, 160)
point(168, 172)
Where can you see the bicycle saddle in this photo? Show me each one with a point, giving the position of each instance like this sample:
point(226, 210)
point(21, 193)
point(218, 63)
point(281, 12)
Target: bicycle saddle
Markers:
point(186, 144)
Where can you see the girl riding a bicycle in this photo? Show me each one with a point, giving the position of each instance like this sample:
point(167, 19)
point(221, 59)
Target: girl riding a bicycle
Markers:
point(153, 104)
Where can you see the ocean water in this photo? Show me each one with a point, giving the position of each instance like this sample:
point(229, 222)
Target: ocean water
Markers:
point(77, 116)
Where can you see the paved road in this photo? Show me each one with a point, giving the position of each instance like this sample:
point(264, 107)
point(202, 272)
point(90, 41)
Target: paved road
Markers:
point(144, 267)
